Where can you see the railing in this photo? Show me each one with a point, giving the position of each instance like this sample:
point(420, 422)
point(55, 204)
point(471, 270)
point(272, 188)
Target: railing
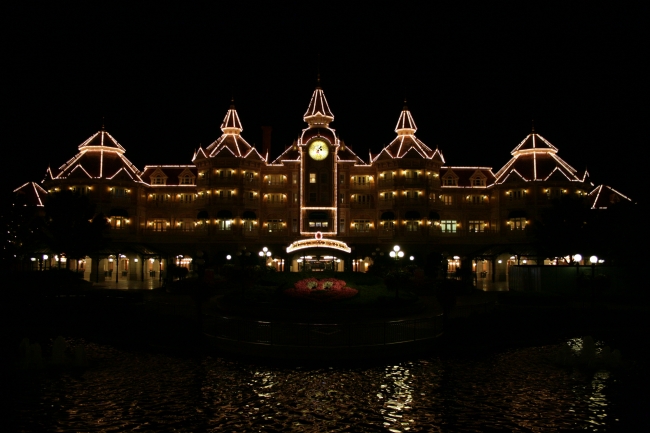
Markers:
point(361, 205)
point(323, 335)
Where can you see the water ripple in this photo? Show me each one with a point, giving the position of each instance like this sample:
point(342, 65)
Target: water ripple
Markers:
point(517, 390)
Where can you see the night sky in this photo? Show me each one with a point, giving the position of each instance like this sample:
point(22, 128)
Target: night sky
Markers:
point(474, 78)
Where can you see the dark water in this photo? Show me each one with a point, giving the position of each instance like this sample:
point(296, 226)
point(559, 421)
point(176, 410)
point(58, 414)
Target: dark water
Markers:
point(514, 390)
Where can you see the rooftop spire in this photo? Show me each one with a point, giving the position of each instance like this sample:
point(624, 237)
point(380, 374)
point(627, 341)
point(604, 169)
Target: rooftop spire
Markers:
point(231, 123)
point(405, 124)
point(533, 126)
point(318, 113)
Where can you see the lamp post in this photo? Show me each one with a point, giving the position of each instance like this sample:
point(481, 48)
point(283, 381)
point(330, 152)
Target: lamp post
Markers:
point(264, 255)
point(577, 258)
point(593, 260)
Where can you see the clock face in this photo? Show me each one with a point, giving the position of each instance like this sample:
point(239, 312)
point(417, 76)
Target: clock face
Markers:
point(318, 150)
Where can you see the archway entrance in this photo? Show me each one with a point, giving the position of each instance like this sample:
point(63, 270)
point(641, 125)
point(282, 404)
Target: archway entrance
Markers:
point(318, 254)
point(318, 261)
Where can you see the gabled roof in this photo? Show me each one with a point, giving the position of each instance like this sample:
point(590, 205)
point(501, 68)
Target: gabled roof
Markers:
point(199, 154)
point(230, 141)
point(318, 112)
point(604, 196)
point(291, 153)
point(406, 144)
point(33, 193)
point(535, 158)
point(99, 157)
point(346, 154)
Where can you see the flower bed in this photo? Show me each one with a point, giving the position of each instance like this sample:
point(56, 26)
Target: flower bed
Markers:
point(325, 290)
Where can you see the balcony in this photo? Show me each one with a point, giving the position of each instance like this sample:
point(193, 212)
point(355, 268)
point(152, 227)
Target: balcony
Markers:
point(275, 204)
point(362, 186)
point(274, 184)
point(361, 205)
point(386, 183)
point(415, 181)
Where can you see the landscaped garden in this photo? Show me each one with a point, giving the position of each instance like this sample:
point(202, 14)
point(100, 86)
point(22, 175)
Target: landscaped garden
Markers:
point(309, 295)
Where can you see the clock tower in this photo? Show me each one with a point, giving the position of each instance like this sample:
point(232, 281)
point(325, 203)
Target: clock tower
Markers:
point(318, 170)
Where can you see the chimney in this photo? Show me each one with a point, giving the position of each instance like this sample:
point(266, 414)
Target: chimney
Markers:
point(266, 139)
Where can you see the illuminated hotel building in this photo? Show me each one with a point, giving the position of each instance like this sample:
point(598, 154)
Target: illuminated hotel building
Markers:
point(318, 204)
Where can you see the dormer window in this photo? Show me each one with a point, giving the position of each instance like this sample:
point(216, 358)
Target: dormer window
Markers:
point(187, 180)
point(450, 181)
point(158, 181)
point(477, 181)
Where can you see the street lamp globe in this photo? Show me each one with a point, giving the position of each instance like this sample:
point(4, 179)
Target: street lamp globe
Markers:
point(593, 260)
point(400, 254)
point(392, 254)
point(577, 258)
point(261, 253)
point(396, 248)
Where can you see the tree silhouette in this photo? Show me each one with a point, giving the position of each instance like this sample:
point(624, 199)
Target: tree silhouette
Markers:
point(71, 226)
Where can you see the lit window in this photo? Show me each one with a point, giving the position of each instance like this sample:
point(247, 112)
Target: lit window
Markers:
point(361, 226)
point(476, 226)
point(312, 177)
point(518, 194)
point(274, 225)
point(117, 222)
point(187, 180)
point(448, 226)
point(186, 198)
point(518, 223)
point(447, 200)
point(412, 226)
point(224, 225)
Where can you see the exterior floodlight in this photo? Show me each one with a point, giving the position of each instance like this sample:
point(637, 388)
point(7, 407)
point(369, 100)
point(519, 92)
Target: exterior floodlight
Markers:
point(593, 260)
point(45, 257)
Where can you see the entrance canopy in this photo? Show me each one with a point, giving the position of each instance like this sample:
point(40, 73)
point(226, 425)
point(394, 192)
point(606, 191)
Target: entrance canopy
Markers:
point(319, 243)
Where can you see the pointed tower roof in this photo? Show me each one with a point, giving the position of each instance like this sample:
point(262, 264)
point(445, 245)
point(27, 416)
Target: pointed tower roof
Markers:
point(231, 143)
point(231, 123)
point(99, 157)
point(535, 158)
point(405, 123)
point(318, 113)
point(406, 142)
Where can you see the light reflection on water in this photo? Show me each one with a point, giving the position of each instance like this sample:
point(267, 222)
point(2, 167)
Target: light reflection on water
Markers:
point(517, 390)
